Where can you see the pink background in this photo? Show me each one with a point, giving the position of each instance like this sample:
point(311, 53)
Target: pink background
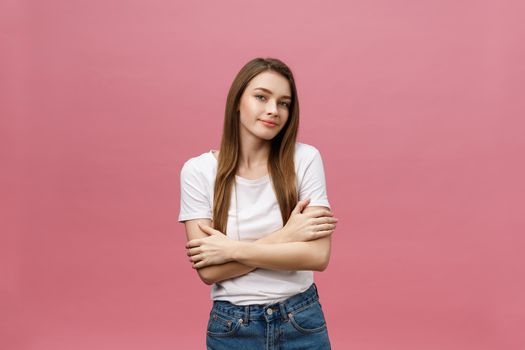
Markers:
point(416, 106)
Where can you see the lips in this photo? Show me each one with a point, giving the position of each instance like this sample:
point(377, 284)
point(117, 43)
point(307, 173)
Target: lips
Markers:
point(268, 122)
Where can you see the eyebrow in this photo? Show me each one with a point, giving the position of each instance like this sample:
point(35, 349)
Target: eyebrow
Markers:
point(268, 91)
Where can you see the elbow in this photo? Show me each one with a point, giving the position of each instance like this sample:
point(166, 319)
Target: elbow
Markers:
point(321, 267)
point(205, 277)
point(207, 281)
point(320, 253)
point(322, 262)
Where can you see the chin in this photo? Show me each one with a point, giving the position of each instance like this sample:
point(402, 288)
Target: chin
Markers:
point(266, 135)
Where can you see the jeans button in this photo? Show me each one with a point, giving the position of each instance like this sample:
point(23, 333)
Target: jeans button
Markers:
point(269, 311)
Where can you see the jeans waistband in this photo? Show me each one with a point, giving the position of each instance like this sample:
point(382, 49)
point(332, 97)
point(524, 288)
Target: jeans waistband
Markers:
point(268, 311)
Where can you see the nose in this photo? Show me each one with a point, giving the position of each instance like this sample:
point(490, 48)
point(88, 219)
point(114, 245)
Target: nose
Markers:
point(271, 107)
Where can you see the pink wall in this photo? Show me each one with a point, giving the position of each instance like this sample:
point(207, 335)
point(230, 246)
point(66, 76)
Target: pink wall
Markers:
point(417, 108)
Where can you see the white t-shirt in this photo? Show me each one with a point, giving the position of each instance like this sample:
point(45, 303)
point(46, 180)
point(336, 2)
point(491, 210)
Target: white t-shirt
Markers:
point(259, 215)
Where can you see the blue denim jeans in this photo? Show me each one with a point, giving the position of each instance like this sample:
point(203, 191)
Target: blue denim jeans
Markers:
point(295, 323)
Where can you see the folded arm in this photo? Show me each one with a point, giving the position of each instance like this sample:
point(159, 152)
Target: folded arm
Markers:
point(280, 254)
point(216, 273)
point(312, 255)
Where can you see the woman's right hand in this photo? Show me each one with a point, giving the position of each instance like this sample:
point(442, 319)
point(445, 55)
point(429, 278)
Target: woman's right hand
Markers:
point(309, 226)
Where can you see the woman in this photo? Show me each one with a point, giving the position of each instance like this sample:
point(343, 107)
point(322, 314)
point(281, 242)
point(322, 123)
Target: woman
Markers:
point(234, 203)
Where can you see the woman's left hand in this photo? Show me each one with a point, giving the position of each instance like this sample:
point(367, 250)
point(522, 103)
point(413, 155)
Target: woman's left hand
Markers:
point(212, 250)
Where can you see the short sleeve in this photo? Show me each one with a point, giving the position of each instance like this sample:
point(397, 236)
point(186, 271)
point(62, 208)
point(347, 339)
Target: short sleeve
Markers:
point(313, 185)
point(194, 198)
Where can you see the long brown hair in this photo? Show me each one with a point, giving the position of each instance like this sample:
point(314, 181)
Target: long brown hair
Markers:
point(281, 158)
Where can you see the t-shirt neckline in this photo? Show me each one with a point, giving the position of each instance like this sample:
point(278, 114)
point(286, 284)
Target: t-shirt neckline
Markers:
point(239, 179)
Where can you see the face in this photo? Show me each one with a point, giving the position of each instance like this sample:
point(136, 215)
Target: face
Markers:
point(264, 106)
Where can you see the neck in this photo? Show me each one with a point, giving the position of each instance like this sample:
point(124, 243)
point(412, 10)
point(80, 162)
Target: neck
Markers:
point(254, 153)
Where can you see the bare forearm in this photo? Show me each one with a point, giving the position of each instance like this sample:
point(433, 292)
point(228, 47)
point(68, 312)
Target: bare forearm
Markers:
point(311, 255)
point(217, 273)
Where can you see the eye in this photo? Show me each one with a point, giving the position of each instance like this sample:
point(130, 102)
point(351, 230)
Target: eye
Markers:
point(257, 96)
point(286, 104)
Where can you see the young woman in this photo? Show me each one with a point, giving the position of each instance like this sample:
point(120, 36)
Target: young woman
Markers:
point(258, 220)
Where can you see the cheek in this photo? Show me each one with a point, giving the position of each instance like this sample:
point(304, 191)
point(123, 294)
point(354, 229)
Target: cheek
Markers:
point(250, 109)
point(285, 118)
point(246, 118)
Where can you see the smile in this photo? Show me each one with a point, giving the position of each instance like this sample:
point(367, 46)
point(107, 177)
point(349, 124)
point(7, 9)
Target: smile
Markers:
point(269, 124)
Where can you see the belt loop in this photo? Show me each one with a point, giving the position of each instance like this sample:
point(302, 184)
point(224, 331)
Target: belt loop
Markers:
point(284, 314)
point(315, 288)
point(246, 315)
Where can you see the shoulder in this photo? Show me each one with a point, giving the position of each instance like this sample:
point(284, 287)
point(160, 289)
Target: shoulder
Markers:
point(201, 164)
point(305, 152)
